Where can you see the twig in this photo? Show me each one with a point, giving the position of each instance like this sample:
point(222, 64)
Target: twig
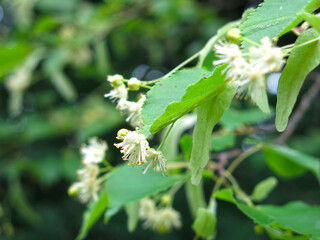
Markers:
point(301, 110)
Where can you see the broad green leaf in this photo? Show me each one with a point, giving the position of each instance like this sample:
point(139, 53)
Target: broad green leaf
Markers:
point(178, 94)
point(207, 55)
point(297, 216)
point(126, 184)
point(205, 223)
point(132, 210)
point(236, 118)
point(290, 163)
point(11, 55)
point(57, 5)
point(92, 214)
point(263, 188)
point(208, 114)
point(274, 18)
point(220, 142)
point(301, 62)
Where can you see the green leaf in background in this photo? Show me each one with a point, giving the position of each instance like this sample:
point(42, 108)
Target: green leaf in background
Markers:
point(221, 142)
point(186, 145)
point(205, 223)
point(195, 197)
point(274, 18)
point(178, 94)
point(290, 163)
point(132, 211)
point(126, 184)
point(263, 188)
point(11, 56)
point(263, 102)
point(301, 62)
point(208, 114)
point(236, 118)
point(57, 5)
point(298, 217)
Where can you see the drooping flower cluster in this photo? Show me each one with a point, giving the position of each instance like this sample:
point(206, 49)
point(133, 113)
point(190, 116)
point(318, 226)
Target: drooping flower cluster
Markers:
point(248, 70)
point(135, 149)
point(161, 220)
point(120, 93)
point(88, 186)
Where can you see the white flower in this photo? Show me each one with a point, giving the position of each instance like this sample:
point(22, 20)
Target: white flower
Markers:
point(94, 152)
point(237, 70)
point(157, 162)
point(267, 57)
point(147, 208)
point(134, 109)
point(19, 80)
point(119, 93)
point(226, 52)
point(165, 219)
point(134, 148)
point(252, 85)
point(88, 185)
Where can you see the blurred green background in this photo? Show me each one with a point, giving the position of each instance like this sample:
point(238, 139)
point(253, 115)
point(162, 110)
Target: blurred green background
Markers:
point(54, 58)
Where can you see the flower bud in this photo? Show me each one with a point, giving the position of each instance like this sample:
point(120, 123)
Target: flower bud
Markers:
point(134, 84)
point(115, 80)
point(74, 190)
point(166, 199)
point(122, 133)
point(234, 35)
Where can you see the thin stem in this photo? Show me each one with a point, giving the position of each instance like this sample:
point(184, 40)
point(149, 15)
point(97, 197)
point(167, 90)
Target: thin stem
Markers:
point(243, 156)
point(165, 137)
point(303, 44)
point(107, 164)
point(250, 41)
point(197, 54)
point(104, 177)
point(235, 164)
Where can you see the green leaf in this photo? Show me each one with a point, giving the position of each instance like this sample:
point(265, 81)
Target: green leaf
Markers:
point(297, 216)
point(290, 163)
point(262, 189)
point(274, 18)
point(236, 118)
point(132, 210)
point(126, 184)
point(178, 94)
point(263, 102)
point(11, 55)
point(301, 62)
point(205, 223)
point(208, 114)
point(57, 5)
point(221, 142)
point(226, 195)
point(313, 20)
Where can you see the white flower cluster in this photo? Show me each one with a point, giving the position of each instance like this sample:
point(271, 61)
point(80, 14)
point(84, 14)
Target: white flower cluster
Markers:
point(120, 93)
point(88, 186)
point(161, 220)
point(135, 149)
point(248, 70)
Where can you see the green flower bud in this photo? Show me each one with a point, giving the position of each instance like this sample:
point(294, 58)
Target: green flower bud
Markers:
point(166, 199)
point(115, 80)
point(74, 190)
point(134, 84)
point(234, 35)
point(122, 133)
